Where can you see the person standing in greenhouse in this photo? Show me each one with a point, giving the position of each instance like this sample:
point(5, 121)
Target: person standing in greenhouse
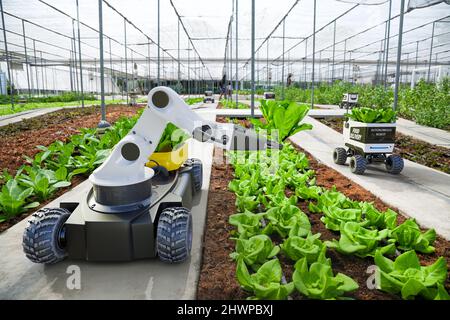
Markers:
point(222, 86)
point(229, 90)
point(289, 80)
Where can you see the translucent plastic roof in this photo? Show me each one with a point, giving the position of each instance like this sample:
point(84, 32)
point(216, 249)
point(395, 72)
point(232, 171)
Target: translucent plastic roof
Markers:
point(207, 22)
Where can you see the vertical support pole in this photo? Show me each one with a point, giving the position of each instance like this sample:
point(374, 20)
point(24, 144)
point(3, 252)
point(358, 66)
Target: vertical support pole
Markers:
point(178, 48)
point(103, 123)
point(417, 54)
point(314, 55)
point(252, 100)
point(282, 64)
point(111, 72)
point(148, 65)
point(158, 79)
point(345, 52)
point(267, 66)
point(126, 58)
point(71, 66)
point(44, 83)
point(8, 63)
point(236, 84)
point(189, 68)
point(431, 52)
point(383, 51)
point(75, 51)
point(387, 44)
point(334, 52)
point(399, 53)
point(306, 58)
point(35, 67)
point(79, 56)
point(350, 68)
point(26, 57)
point(320, 66)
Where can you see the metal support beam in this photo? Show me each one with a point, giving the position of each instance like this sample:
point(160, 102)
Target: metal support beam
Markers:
point(158, 79)
point(79, 56)
point(237, 55)
point(178, 48)
point(399, 53)
point(431, 52)
point(126, 58)
point(252, 100)
point(314, 54)
point(8, 63)
point(282, 68)
point(387, 44)
point(26, 57)
point(103, 123)
point(334, 52)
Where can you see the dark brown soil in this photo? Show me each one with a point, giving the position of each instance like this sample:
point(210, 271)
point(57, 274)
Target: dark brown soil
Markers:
point(217, 276)
point(410, 148)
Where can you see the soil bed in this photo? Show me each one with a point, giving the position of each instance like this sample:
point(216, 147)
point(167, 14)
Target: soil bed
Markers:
point(410, 148)
point(217, 275)
point(20, 139)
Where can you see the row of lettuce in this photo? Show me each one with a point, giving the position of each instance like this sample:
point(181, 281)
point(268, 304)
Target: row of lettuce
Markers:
point(427, 103)
point(54, 166)
point(265, 212)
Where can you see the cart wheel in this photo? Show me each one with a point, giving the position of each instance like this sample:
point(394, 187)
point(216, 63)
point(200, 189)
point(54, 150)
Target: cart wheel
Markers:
point(358, 164)
point(394, 164)
point(197, 172)
point(43, 239)
point(339, 156)
point(174, 235)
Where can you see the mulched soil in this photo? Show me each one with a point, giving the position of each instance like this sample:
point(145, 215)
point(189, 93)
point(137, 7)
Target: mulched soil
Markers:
point(20, 139)
point(217, 276)
point(410, 148)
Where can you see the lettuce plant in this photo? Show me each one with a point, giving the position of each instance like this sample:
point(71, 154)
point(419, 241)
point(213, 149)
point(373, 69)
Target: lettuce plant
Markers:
point(332, 198)
point(44, 183)
point(409, 237)
point(283, 116)
point(360, 241)
point(317, 281)
point(13, 200)
point(255, 251)
point(287, 220)
point(334, 216)
point(297, 247)
point(377, 219)
point(308, 192)
point(248, 224)
point(266, 282)
point(370, 115)
point(406, 276)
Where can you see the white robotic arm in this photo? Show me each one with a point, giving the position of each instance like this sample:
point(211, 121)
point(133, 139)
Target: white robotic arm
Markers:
point(126, 164)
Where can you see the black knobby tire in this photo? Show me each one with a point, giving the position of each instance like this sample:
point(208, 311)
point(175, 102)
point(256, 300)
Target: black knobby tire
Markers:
point(394, 164)
point(340, 156)
point(212, 101)
point(358, 164)
point(174, 235)
point(197, 172)
point(41, 238)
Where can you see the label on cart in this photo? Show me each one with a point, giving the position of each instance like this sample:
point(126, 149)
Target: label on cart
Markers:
point(373, 134)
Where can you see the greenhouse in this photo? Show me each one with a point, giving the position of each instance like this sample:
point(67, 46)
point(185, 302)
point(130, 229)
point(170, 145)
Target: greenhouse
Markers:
point(225, 150)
